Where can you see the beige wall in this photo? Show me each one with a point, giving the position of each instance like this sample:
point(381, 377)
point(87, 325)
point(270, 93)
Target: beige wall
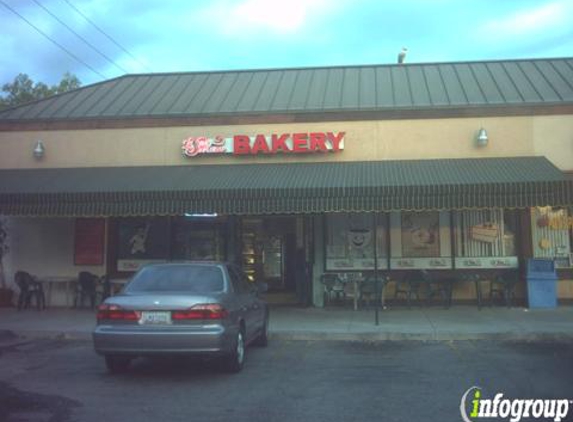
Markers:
point(553, 138)
point(367, 140)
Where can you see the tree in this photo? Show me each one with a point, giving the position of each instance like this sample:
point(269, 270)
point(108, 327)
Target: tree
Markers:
point(23, 89)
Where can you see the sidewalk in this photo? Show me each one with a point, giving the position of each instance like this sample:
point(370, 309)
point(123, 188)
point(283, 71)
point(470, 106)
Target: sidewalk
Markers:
point(337, 323)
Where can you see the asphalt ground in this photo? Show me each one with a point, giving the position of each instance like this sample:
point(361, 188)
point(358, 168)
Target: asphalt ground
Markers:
point(291, 380)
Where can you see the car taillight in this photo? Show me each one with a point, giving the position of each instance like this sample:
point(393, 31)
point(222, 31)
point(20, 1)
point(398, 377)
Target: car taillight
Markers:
point(209, 311)
point(116, 313)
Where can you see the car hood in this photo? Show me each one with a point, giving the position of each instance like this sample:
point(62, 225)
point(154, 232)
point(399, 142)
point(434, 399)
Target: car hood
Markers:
point(160, 301)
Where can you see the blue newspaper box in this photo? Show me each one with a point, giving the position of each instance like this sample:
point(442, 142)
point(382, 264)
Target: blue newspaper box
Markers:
point(541, 283)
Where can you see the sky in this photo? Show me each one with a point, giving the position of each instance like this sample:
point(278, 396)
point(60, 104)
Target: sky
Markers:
point(143, 36)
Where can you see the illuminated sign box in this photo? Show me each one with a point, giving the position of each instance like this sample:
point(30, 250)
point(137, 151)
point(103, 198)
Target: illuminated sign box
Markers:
point(285, 143)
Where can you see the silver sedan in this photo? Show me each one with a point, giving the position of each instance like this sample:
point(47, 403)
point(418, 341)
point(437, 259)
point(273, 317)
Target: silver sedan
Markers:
point(192, 308)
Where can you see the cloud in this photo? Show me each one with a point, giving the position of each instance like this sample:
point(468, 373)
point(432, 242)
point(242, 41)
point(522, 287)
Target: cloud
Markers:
point(550, 17)
point(276, 17)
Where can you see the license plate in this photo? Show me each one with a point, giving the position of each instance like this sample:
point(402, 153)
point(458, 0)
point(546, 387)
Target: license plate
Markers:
point(155, 318)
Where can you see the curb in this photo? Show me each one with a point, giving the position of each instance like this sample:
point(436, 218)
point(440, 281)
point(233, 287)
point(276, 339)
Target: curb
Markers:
point(53, 335)
point(309, 335)
point(370, 337)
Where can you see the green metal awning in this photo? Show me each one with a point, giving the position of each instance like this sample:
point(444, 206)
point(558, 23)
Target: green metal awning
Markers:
point(243, 189)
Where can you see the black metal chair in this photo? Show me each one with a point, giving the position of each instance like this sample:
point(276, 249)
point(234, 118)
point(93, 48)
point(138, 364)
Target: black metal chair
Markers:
point(503, 286)
point(422, 285)
point(86, 289)
point(105, 285)
point(477, 280)
point(409, 287)
point(369, 289)
point(439, 286)
point(30, 289)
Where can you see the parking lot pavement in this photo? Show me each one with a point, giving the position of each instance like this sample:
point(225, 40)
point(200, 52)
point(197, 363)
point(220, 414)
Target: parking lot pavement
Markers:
point(63, 380)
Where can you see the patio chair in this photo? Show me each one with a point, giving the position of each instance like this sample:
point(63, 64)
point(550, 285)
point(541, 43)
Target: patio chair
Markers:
point(423, 285)
point(503, 286)
point(105, 287)
point(409, 287)
point(477, 280)
point(86, 289)
point(30, 289)
point(333, 287)
point(441, 287)
point(368, 289)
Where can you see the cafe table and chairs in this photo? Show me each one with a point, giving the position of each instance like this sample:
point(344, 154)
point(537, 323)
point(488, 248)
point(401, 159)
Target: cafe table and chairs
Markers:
point(333, 287)
point(373, 287)
point(482, 281)
point(424, 286)
point(503, 286)
point(51, 281)
point(350, 283)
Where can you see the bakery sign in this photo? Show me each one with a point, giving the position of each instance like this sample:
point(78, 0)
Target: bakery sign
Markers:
point(265, 144)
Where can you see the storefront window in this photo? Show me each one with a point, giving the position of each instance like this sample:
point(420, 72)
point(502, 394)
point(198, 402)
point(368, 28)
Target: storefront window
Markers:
point(551, 234)
point(197, 240)
point(485, 238)
point(420, 240)
point(350, 241)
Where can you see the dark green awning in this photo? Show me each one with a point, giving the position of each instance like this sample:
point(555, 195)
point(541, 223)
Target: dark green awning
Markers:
point(516, 182)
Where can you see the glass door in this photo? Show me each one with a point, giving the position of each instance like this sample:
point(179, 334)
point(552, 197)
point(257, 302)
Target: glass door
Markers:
point(273, 261)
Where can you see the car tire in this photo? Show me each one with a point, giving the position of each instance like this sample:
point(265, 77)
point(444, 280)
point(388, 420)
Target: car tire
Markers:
point(117, 364)
point(263, 338)
point(235, 360)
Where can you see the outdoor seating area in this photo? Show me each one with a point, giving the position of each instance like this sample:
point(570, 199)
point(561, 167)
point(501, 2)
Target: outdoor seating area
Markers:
point(86, 290)
point(417, 288)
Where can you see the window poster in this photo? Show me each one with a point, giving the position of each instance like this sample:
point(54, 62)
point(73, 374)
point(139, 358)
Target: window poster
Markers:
point(551, 235)
point(420, 234)
point(89, 241)
point(350, 241)
point(142, 241)
point(485, 238)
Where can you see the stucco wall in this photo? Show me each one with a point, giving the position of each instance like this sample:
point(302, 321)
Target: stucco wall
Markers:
point(553, 138)
point(365, 140)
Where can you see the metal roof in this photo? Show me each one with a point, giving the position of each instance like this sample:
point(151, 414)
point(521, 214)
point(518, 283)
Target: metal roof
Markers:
point(285, 188)
point(312, 90)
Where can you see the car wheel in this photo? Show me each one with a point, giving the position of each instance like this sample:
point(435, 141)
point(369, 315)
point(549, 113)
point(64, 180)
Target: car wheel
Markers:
point(117, 364)
point(263, 338)
point(235, 360)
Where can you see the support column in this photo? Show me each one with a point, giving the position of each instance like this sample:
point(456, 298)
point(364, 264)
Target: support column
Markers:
point(318, 266)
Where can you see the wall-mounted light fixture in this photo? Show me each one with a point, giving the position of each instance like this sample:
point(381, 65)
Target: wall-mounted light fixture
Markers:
point(482, 138)
point(39, 150)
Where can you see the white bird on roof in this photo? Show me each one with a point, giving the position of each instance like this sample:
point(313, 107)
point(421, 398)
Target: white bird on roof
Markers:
point(402, 55)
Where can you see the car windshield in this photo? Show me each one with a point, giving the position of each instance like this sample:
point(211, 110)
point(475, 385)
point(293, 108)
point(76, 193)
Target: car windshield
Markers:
point(178, 278)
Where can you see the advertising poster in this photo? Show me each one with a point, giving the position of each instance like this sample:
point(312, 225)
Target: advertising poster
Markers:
point(420, 234)
point(89, 241)
point(350, 242)
point(142, 241)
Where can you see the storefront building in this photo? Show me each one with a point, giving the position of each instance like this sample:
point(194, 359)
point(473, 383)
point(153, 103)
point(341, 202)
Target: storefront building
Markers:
point(455, 168)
